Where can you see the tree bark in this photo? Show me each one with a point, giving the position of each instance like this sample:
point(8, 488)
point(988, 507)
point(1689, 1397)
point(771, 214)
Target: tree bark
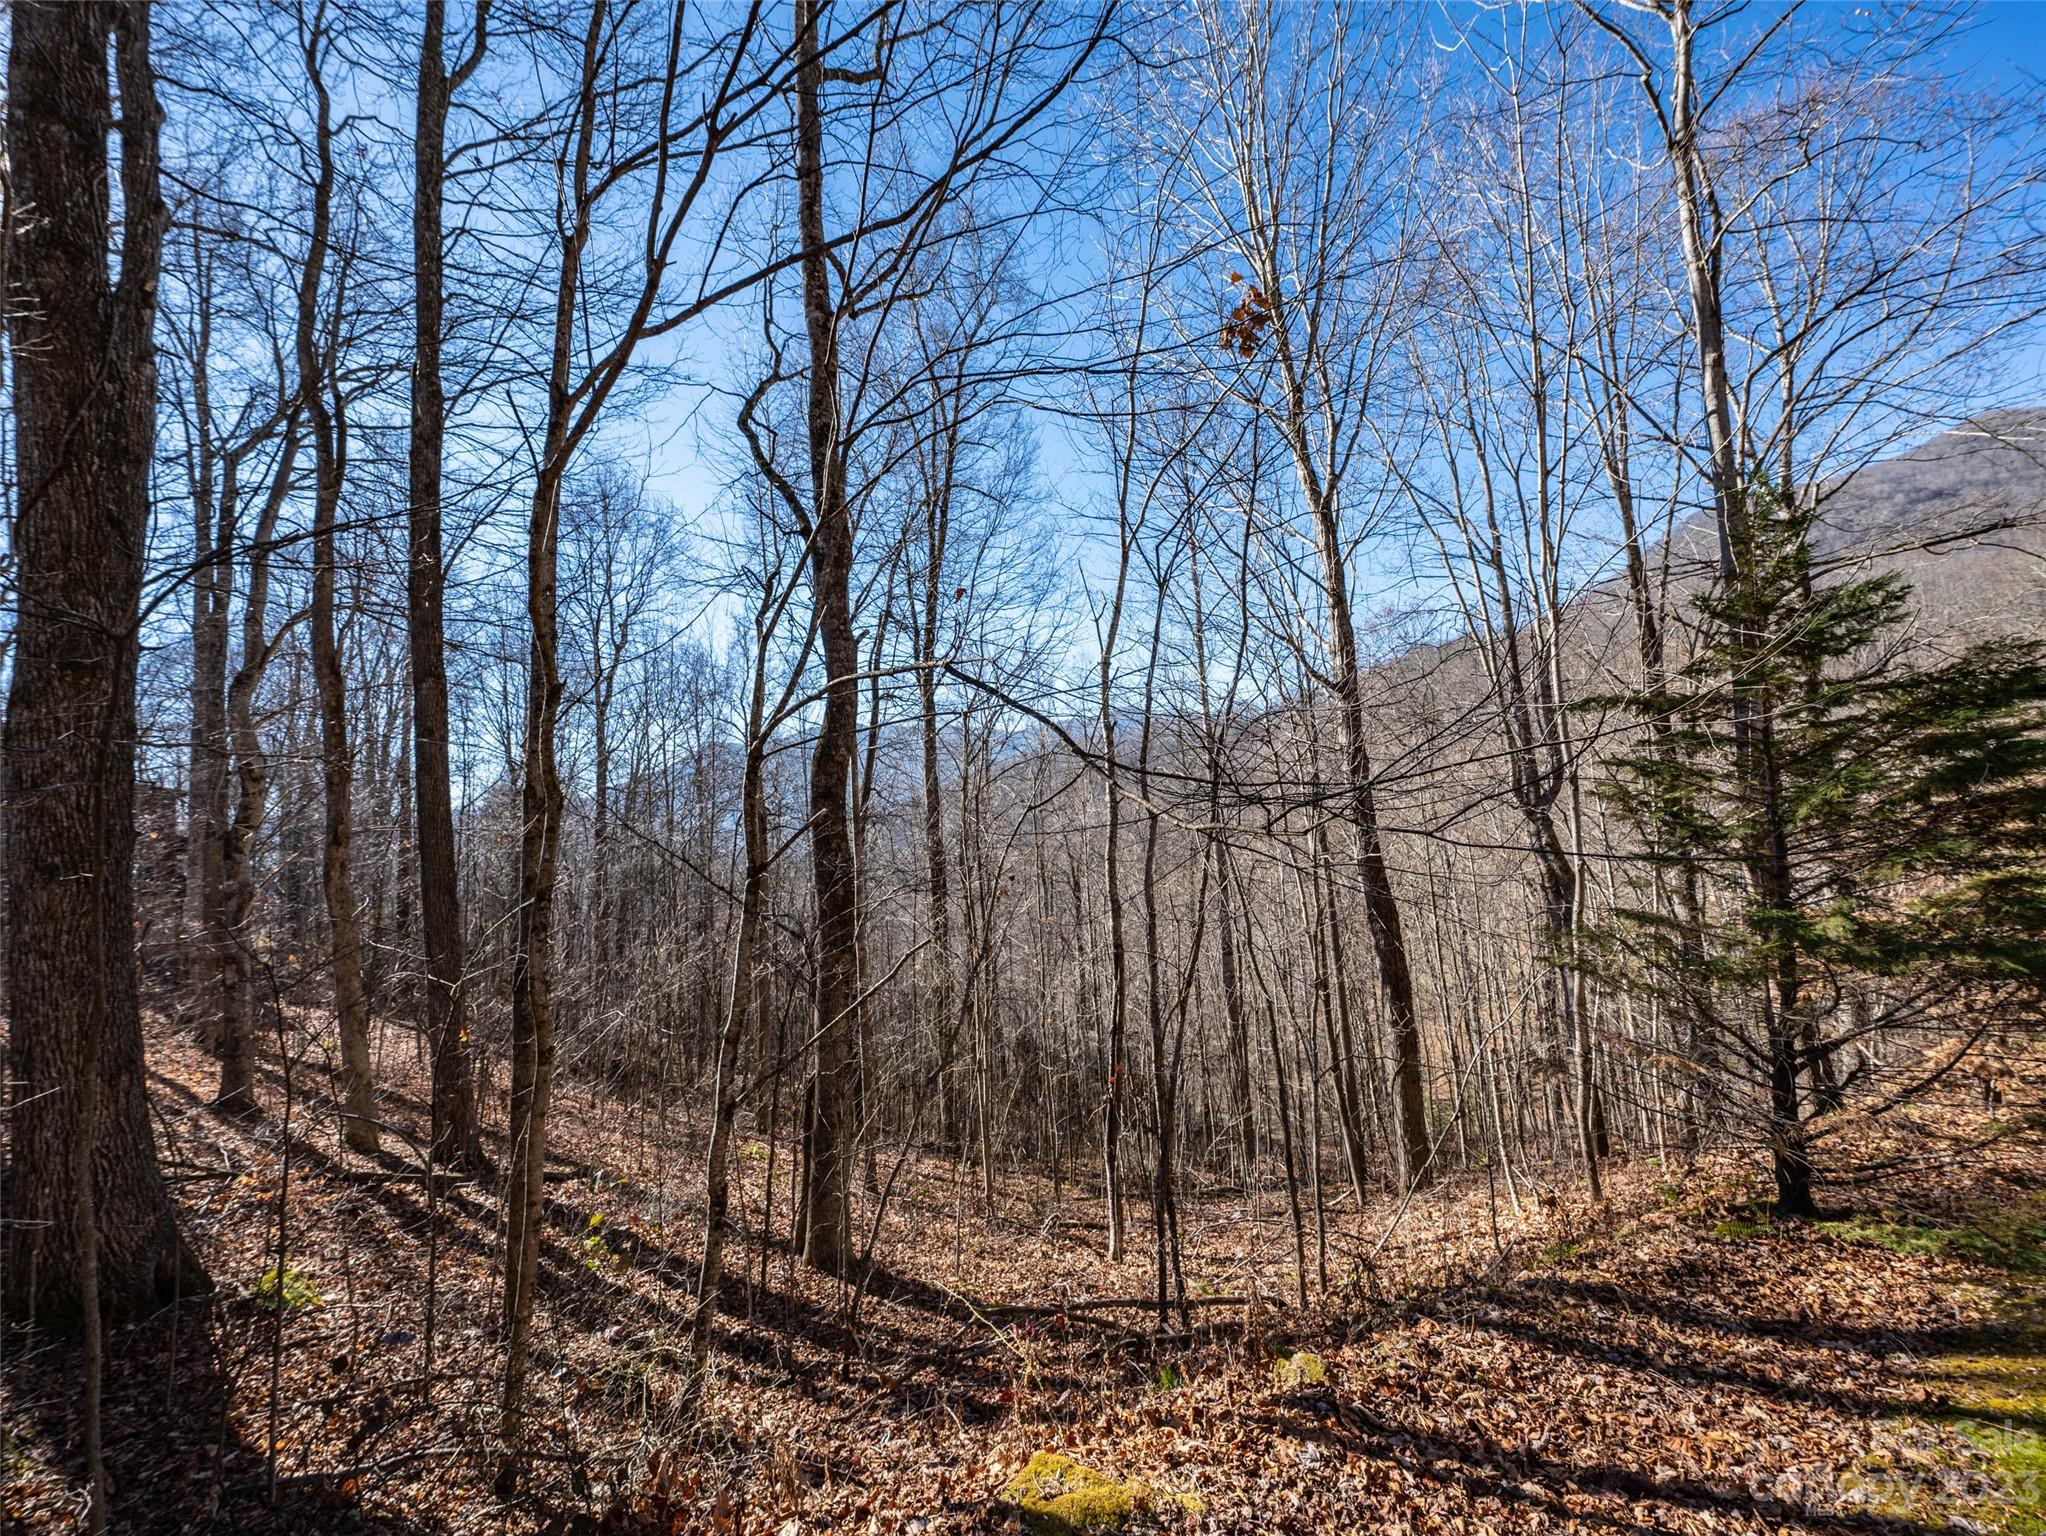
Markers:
point(316, 373)
point(717, 1178)
point(214, 485)
point(85, 411)
point(1700, 228)
point(541, 800)
point(1245, 1105)
point(937, 859)
point(456, 1138)
point(827, 1216)
point(1374, 878)
point(231, 947)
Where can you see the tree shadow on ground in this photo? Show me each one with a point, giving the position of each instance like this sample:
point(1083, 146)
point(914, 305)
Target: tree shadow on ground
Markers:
point(1557, 1315)
point(1487, 1469)
point(176, 1463)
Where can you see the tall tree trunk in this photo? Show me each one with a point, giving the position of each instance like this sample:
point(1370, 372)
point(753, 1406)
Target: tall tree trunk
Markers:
point(1118, 980)
point(214, 483)
point(827, 1216)
point(456, 1138)
point(232, 950)
point(316, 371)
point(717, 1180)
point(930, 594)
point(1245, 1105)
point(1170, 1281)
point(85, 413)
point(1374, 877)
point(1296, 309)
point(1700, 223)
point(1111, 881)
point(1381, 910)
point(532, 981)
point(532, 967)
point(937, 866)
point(1321, 921)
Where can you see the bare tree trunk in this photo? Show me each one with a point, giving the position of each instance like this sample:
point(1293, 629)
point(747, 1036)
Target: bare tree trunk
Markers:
point(1320, 922)
point(1374, 878)
point(827, 1216)
point(532, 978)
point(85, 411)
point(1701, 227)
point(214, 493)
point(456, 1138)
point(937, 860)
point(231, 940)
point(738, 1014)
point(927, 597)
point(1245, 1104)
point(316, 373)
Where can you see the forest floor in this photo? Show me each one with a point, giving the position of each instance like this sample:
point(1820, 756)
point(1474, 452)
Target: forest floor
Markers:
point(1668, 1361)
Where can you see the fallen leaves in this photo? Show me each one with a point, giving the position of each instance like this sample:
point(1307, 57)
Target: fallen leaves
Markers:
point(1642, 1374)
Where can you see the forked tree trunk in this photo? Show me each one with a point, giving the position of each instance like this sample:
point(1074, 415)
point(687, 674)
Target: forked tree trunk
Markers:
point(233, 955)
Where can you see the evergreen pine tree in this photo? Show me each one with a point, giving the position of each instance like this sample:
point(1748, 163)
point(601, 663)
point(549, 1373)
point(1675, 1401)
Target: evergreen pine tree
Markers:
point(1867, 825)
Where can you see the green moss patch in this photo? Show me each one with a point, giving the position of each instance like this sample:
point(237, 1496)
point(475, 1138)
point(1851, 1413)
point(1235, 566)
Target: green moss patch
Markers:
point(2006, 1235)
point(1737, 1220)
point(1741, 1228)
point(286, 1290)
point(2016, 1460)
point(2009, 1236)
point(1058, 1497)
point(1977, 1460)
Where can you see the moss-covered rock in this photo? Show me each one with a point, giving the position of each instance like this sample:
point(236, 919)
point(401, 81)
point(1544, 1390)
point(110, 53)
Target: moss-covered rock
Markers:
point(1300, 1369)
point(1058, 1497)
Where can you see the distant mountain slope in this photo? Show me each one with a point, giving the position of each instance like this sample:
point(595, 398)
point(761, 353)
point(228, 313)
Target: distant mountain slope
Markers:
point(1962, 517)
point(1951, 493)
point(1994, 467)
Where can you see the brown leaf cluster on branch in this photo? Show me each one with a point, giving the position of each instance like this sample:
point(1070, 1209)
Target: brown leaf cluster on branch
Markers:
point(1248, 320)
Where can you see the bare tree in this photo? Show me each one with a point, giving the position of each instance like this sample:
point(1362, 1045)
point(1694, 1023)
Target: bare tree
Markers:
point(326, 419)
point(455, 1134)
point(598, 152)
point(896, 210)
point(90, 1226)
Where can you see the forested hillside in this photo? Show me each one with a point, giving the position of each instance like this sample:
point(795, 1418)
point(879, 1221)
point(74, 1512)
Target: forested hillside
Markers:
point(1225, 765)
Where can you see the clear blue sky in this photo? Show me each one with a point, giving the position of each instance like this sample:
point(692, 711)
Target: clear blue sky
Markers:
point(681, 438)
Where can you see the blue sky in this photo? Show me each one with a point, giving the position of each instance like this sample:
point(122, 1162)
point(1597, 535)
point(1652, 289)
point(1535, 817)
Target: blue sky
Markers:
point(2012, 40)
point(2006, 48)
point(686, 436)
